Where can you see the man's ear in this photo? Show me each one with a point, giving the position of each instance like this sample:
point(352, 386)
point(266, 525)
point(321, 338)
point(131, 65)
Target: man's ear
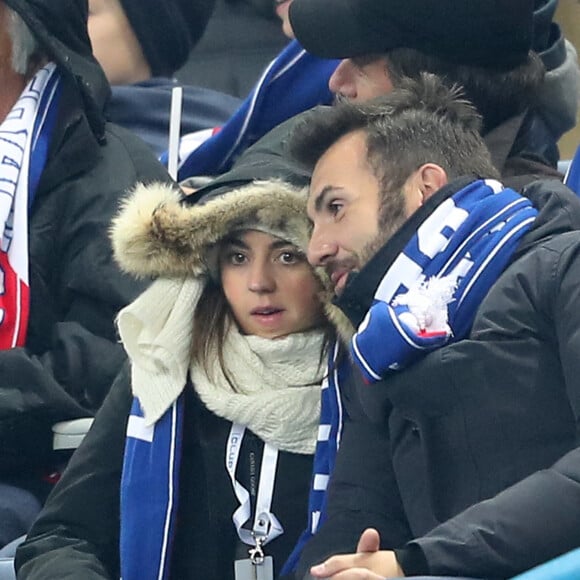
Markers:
point(430, 178)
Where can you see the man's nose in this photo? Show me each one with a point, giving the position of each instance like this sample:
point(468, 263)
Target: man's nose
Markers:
point(341, 80)
point(320, 249)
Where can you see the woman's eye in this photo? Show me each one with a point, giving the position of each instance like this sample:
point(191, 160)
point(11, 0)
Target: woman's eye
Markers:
point(289, 257)
point(236, 258)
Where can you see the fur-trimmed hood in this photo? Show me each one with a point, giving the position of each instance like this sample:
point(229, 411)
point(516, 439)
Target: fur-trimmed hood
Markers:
point(159, 234)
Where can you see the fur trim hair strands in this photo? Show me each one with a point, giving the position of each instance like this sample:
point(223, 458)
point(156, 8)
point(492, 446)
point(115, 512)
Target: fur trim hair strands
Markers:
point(156, 234)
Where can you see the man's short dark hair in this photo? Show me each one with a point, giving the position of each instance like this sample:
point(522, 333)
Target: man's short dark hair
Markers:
point(421, 121)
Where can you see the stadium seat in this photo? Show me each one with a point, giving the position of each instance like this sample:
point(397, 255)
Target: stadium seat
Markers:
point(572, 178)
point(565, 567)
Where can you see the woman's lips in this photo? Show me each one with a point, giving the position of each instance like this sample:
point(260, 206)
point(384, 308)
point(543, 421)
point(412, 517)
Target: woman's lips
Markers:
point(265, 310)
point(267, 315)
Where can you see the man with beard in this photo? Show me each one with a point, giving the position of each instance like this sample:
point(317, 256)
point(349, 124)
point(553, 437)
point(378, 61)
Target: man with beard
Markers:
point(458, 455)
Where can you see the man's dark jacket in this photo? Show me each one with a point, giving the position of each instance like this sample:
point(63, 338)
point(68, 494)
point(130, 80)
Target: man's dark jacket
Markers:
point(467, 461)
point(71, 354)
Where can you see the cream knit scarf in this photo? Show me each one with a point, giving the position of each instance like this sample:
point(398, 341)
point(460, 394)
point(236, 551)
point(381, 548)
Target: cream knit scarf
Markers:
point(277, 382)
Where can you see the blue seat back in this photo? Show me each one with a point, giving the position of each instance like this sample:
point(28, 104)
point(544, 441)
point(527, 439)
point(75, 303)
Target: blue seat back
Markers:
point(565, 567)
point(572, 179)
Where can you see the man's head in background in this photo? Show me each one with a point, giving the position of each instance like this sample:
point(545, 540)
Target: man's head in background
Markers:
point(374, 164)
point(484, 46)
point(282, 7)
point(34, 32)
point(134, 40)
point(17, 46)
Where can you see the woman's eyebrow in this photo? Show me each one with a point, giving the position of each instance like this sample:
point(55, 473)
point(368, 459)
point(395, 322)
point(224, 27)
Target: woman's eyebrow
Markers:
point(237, 243)
point(281, 244)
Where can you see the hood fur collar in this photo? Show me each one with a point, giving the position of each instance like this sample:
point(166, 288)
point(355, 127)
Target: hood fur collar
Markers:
point(156, 234)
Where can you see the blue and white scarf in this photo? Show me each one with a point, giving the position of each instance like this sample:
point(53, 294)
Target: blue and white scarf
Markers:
point(147, 536)
point(457, 254)
point(293, 82)
point(25, 136)
point(430, 294)
point(329, 434)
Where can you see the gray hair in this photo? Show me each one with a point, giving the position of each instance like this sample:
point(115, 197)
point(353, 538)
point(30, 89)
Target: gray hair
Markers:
point(24, 45)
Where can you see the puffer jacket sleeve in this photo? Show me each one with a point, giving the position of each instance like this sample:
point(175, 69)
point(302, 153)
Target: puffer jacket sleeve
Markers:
point(72, 354)
point(77, 532)
point(538, 518)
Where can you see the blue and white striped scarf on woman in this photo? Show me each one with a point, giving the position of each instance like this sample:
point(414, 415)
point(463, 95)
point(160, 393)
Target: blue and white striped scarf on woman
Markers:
point(150, 492)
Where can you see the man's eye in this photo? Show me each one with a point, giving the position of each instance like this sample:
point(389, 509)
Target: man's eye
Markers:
point(334, 207)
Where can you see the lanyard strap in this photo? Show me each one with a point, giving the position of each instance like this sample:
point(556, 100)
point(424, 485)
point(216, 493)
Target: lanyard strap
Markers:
point(266, 526)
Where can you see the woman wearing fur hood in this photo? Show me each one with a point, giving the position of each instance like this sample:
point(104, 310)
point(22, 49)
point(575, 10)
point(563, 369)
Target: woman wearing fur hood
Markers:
point(203, 450)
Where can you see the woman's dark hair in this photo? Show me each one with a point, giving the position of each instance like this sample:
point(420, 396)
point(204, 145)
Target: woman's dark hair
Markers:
point(212, 319)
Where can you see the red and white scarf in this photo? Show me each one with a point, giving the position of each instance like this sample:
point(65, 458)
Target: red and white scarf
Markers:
point(24, 137)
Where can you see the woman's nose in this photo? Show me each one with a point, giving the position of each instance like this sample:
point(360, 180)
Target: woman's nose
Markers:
point(261, 278)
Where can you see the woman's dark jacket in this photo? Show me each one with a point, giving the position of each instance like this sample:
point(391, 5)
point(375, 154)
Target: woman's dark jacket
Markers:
point(468, 462)
point(77, 534)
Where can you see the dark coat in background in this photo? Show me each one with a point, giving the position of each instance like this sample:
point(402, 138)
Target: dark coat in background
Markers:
point(145, 109)
point(71, 354)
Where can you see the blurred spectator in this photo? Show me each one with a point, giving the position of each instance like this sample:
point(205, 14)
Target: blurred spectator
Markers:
point(242, 37)
point(558, 96)
point(63, 171)
point(282, 7)
point(297, 81)
point(501, 77)
point(140, 44)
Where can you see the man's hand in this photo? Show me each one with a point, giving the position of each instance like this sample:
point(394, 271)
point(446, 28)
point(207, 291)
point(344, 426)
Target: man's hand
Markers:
point(369, 563)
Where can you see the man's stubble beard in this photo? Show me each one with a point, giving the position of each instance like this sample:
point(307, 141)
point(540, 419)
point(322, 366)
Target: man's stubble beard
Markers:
point(391, 218)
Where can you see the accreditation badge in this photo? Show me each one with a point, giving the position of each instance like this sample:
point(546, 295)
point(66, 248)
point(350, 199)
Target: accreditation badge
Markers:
point(248, 569)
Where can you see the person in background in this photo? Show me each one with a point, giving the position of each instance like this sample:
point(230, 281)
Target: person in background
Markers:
point(488, 53)
point(141, 44)
point(205, 445)
point(241, 39)
point(459, 455)
point(63, 172)
point(282, 7)
point(295, 81)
